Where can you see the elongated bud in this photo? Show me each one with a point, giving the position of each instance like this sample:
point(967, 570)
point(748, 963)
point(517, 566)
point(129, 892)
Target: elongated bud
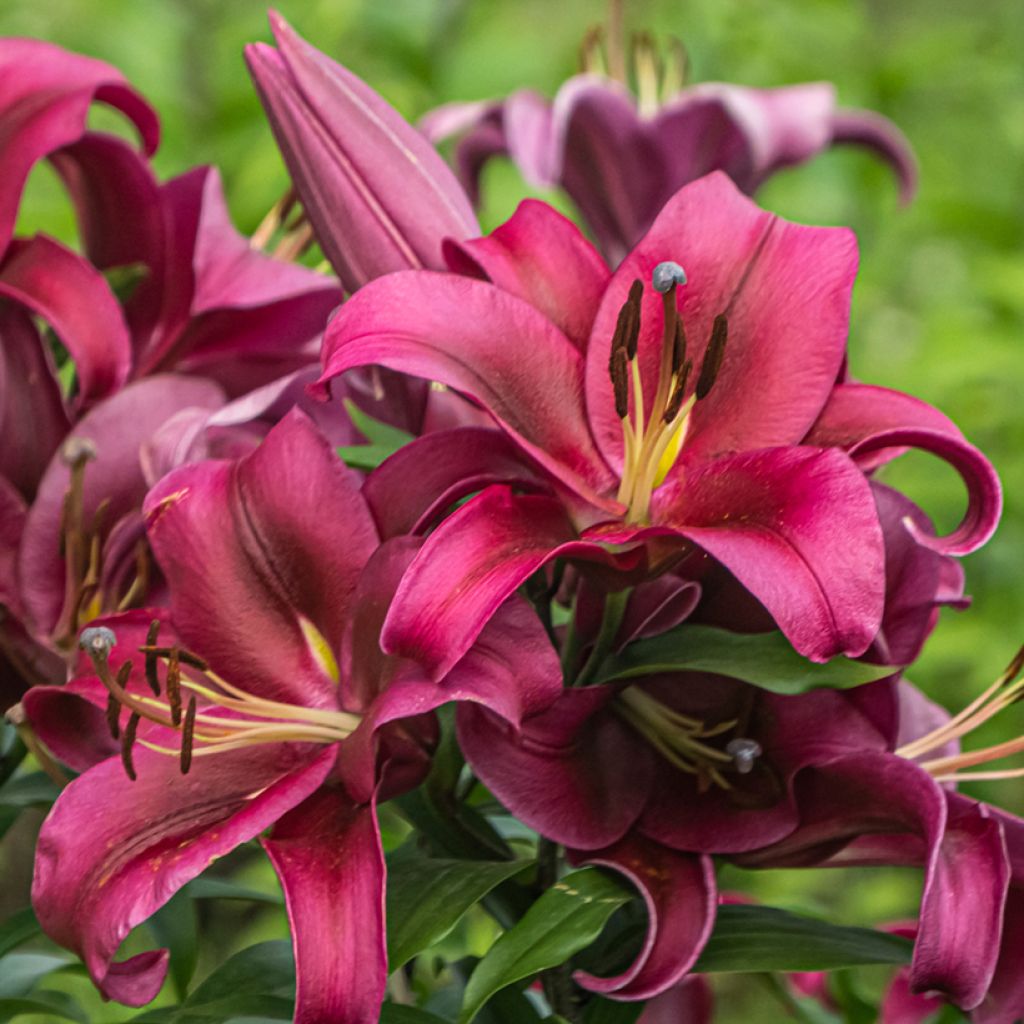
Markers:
point(620, 382)
point(713, 357)
point(377, 193)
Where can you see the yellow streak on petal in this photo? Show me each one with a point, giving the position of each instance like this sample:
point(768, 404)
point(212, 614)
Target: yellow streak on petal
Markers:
point(320, 649)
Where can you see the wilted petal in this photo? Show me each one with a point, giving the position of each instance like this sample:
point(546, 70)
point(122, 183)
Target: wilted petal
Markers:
point(492, 346)
point(576, 775)
point(543, 258)
point(377, 193)
point(328, 856)
point(798, 528)
point(45, 97)
point(74, 299)
point(785, 290)
point(113, 851)
point(681, 896)
point(259, 550)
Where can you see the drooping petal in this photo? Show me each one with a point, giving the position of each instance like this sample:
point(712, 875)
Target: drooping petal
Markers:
point(328, 856)
point(878, 134)
point(45, 97)
point(796, 526)
point(75, 300)
point(542, 257)
point(575, 775)
point(494, 347)
point(377, 193)
point(424, 478)
point(33, 419)
point(470, 564)
point(262, 556)
point(1004, 1001)
point(785, 291)
point(690, 1002)
point(113, 851)
point(681, 896)
point(117, 428)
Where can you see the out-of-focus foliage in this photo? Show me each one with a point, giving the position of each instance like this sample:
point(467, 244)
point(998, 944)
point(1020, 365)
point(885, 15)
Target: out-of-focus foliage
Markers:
point(939, 307)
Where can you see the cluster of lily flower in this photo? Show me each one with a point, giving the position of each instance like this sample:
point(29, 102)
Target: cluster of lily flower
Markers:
point(621, 464)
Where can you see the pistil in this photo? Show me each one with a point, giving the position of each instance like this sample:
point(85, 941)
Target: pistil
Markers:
point(652, 443)
point(251, 720)
point(1006, 690)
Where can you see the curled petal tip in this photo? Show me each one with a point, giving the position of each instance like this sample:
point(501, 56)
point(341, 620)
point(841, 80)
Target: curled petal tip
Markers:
point(881, 136)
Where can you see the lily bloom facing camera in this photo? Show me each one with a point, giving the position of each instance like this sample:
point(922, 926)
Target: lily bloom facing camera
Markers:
point(261, 700)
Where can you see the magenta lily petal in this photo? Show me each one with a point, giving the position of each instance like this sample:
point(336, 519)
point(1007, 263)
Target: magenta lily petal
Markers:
point(878, 134)
point(262, 561)
point(115, 475)
point(785, 290)
point(681, 896)
point(33, 419)
point(577, 776)
point(530, 253)
point(44, 103)
point(1004, 1001)
point(456, 330)
point(424, 478)
point(328, 856)
point(377, 193)
point(12, 522)
point(962, 908)
point(771, 517)
point(112, 851)
point(690, 1002)
point(474, 560)
point(75, 299)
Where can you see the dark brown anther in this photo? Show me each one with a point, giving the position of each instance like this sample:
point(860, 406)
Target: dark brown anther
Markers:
point(187, 731)
point(127, 742)
point(713, 357)
point(620, 382)
point(675, 403)
point(185, 657)
point(113, 716)
point(151, 676)
point(123, 674)
point(174, 686)
point(679, 348)
point(1014, 669)
point(636, 294)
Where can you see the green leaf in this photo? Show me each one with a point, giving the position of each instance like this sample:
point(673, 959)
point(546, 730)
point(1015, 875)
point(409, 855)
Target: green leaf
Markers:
point(426, 897)
point(224, 889)
point(394, 1013)
point(365, 456)
point(757, 939)
point(125, 278)
point(19, 972)
point(26, 790)
point(766, 660)
point(566, 919)
point(48, 1005)
point(375, 431)
point(18, 928)
point(606, 1011)
point(176, 927)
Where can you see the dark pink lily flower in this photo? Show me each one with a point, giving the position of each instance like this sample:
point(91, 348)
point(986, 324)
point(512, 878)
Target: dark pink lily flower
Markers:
point(378, 195)
point(262, 700)
point(648, 421)
point(621, 164)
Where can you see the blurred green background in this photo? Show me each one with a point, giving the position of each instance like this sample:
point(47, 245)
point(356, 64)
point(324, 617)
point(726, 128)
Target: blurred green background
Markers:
point(939, 307)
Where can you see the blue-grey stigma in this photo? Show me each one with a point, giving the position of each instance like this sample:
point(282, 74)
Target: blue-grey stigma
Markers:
point(744, 753)
point(667, 275)
point(97, 640)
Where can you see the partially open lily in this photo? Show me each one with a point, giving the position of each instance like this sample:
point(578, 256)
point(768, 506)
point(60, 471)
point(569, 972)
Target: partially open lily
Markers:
point(262, 700)
point(621, 157)
point(689, 400)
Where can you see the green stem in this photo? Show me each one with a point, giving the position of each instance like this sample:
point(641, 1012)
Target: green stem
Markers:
point(614, 609)
point(556, 981)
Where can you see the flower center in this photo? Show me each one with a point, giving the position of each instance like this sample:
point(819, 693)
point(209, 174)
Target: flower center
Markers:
point(1006, 690)
point(251, 720)
point(651, 443)
point(681, 739)
point(82, 550)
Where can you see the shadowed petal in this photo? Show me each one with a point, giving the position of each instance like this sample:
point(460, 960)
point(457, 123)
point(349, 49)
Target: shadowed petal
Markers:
point(681, 896)
point(113, 851)
point(785, 290)
point(328, 856)
point(492, 346)
point(252, 548)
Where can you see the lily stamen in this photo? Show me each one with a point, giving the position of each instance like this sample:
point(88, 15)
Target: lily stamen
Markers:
point(1006, 690)
point(202, 732)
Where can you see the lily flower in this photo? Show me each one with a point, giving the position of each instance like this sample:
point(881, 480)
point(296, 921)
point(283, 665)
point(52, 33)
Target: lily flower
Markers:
point(261, 701)
point(621, 157)
point(377, 194)
point(651, 413)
